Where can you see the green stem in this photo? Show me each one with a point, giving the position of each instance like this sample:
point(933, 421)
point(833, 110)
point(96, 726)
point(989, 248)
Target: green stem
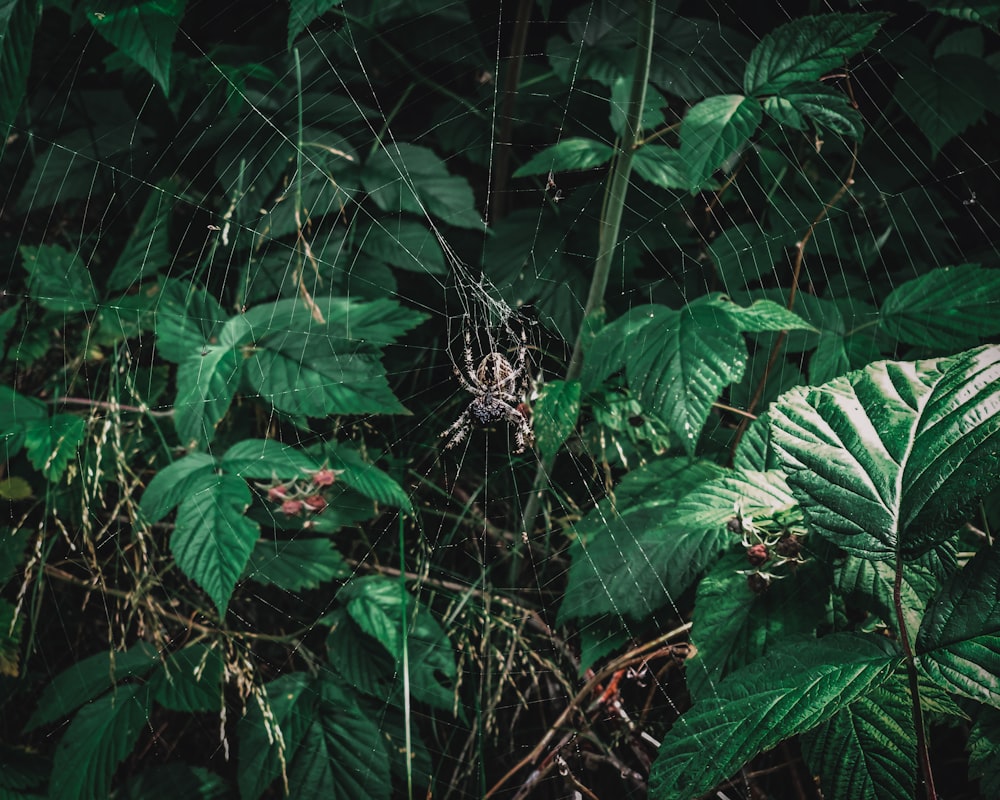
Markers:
point(923, 753)
point(609, 228)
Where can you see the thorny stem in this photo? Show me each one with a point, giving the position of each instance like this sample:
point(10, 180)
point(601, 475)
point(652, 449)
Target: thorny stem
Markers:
point(623, 661)
point(609, 227)
point(923, 754)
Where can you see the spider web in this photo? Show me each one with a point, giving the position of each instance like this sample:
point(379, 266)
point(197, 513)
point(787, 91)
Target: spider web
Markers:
point(284, 207)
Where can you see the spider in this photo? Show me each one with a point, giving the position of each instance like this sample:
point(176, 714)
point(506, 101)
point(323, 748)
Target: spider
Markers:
point(497, 387)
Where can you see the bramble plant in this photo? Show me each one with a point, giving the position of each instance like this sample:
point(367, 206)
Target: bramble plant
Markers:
point(724, 293)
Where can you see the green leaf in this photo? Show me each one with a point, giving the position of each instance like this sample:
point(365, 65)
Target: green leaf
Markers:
point(745, 254)
point(360, 660)
point(946, 97)
point(206, 383)
point(297, 564)
point(18, 21)
point(652, 109)
point(554, 415)
point(887, 458)
point(766, 315)
point(58, 279)
point(577, 153)
point(190, 679)
point(829, 360)
point(825, 106)
point(947, 309)
point(88, 678)
point(630, 558)
point(53, 443)
point(98, 739)
point(959, 640)
point(11, 625)
point(605, 352)
point(712, 131)
point(188, 319)
point(366, 478)
point(22, 769)
point(12, 546)
point(212, 539)
point(172, 780)
point(144, 32)
point(678, 365)
point(175, 482)
point(376, 605)
point(266, 459)
point(406, 244)
point(802, 50)
point(146, 250)
point(868, 750)
point(984, 751)
point(734, 626)
point(303, 12)
point(405, 177)
point(661, 166)
point(789, 691)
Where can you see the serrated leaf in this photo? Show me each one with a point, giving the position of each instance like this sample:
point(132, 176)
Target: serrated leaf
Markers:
point(947, 309)
point(190, 679)
point(868, 750)
point(360, 660)
point(302, 12)
point(99, 738)
point(175, 482)
point(53, 443)
point(297, 564)
point(406, 244)
point(366, 478)
point(945, 98)
point(376, 604)
point(829, 360)
point(791, 690)
point(18, 21)
point(266, 459)
point(144, 32)
point(206, 383)
point(554, 415)
point(802, 50)
point(404, 177)
point(826, 107)
point(678, 365)
point(605, 352)
point(88, 678)
point(712, 131)
point(58, 279)
point(733, 626)
point(984, 751)
point(146, 249)
point(765, 315)
point(187, 320)
point(577, 153)
point(883, 460)
point(212, 539)
point(661, 166)
point(959, 640)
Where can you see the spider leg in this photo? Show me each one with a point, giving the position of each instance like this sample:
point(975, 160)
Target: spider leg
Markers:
point(458, 430)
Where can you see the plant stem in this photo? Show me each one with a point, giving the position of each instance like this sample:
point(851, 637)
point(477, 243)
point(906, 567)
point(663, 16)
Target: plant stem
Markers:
point(923, 754)
point(609, 226)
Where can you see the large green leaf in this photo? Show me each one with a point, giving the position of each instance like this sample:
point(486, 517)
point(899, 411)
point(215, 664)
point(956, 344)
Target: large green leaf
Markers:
point(18, 20)
point(679, 363)
point(887, 458)
point(206, 383)
point(407, 244)
point(404, 177)
point(867, 751)
point(58, 279)
point(52, 443)
point(959, 640)
point(297, 564)
point(802, 50)
point(714, 130)
point(734, 626)
point(212, 539)
point(175, 482)
point(789, 691)
point(376, 604)
point(366, 478)
point(661, 166)
point(144, 32)
point(945, 97)
point(266, 459)
point(554, 415)
point(188, 319)
point(190, 679)
point(825, 106)
point(569, 154)
point(947, 309)
point(100, 736)
point(146, 250)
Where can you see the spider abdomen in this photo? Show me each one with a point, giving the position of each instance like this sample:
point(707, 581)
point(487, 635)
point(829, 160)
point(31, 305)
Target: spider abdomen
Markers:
point(488, 409)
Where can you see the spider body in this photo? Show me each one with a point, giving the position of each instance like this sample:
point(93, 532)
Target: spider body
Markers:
point(497, 387)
